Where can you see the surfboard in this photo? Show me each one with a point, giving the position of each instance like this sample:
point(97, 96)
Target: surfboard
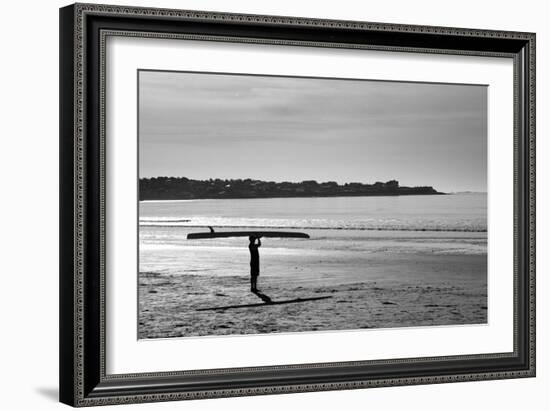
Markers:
point(221, 234)
point(294, 301)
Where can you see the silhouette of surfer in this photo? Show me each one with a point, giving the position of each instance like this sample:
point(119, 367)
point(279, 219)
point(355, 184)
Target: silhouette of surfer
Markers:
point(254, 262)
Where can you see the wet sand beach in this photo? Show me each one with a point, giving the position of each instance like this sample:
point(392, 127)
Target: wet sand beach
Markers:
point(375, 279)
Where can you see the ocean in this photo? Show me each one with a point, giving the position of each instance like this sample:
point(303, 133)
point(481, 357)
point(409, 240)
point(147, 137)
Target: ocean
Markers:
point(455, 212)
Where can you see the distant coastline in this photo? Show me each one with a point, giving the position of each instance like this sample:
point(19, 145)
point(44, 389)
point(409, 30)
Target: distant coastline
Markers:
point(182, 188)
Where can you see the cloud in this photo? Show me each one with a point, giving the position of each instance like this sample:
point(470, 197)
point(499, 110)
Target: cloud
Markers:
point(193, 112)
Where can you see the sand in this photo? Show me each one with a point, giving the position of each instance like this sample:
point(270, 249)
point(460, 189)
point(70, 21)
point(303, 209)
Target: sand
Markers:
point(374, 280)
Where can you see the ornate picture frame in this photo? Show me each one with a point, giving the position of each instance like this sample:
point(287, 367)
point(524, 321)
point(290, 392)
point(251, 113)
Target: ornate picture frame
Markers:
point(84, 30)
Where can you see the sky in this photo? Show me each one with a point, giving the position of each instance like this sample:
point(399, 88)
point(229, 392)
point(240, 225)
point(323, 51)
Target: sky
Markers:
point(203, 125)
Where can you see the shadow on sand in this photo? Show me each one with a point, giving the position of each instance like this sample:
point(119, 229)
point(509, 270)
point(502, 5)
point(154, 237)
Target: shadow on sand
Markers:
point(267, 301)
point(265, 298)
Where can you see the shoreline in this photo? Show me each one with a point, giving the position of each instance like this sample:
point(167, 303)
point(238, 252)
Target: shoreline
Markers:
point(450, 193)
point(304, 196)
point(167, 224)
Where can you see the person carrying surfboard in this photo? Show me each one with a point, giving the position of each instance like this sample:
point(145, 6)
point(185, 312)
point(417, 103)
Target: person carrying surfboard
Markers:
point(254, 262)
point(253, 247)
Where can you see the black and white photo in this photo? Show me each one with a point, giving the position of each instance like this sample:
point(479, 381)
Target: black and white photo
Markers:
point(277, 204)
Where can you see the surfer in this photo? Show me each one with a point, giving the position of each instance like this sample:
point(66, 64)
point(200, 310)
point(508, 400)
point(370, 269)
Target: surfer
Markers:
point(254, 262)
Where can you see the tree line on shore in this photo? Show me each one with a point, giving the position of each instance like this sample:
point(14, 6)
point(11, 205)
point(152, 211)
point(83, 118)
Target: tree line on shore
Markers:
point(182, 188)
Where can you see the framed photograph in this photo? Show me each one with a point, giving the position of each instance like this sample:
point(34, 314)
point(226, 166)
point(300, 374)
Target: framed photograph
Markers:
point(262, 204)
